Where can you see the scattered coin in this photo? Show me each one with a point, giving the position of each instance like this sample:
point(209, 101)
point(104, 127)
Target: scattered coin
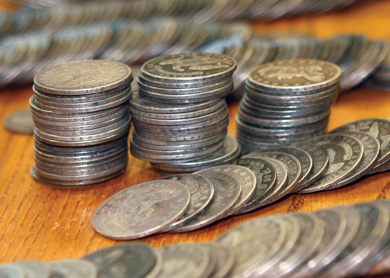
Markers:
point(20, 122)
point(11, 271)
point(141, 210)
point(35, 269)
point(73, 269)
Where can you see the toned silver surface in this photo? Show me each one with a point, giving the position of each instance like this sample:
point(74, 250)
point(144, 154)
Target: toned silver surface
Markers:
point(73, 269)
point(35, 269)
point(141, 210)
point(224, 260)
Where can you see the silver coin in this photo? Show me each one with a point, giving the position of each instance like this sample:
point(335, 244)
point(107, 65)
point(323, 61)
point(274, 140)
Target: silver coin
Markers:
point(34, 269)
point(124, 260)
point(224, 260)
point(377, 128)
point(201, 191)
point(189, 67)
point(371, 153)
point(320, 162)
point(82, 77)
point(226, 195)
point(20, 122)
point(304, 159)
point(293, 167)
point(345, 153)
point(73, 269)
point(131, 213)
point(265, 175)
point(11, 271)
point(186, 260)
point(256, 242)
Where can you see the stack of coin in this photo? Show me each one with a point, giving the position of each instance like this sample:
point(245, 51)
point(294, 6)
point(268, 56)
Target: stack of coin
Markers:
point(179, 112)
point(381, 77)
point(285, 102)
point(81, 117)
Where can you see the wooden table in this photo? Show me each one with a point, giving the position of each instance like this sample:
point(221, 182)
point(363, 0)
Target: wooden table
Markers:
point(39, 222)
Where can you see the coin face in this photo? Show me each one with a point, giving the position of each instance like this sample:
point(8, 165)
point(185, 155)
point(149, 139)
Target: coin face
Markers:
point(265, 180)
point(345, 153)
point(377, 128)
point(20, 122)
point(123, 260)
point(186, 260)
point(73, 269)
point(201, 191)
point(11, 271)
point(295, 74)
point(141, 210)
point(226, 195)
point(189, 67)
point(83, 77)
point(224, 259)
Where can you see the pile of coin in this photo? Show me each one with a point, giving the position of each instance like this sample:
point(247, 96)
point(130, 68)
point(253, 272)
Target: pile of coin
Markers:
point(187, 202)
point(82, 122)
point(179, 113)
point(381, 77)
point(285, 102)
point(337, 242)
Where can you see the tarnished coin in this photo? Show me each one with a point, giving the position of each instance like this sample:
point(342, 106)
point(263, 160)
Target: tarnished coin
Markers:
point(201, 191)
point(73, 269)
point(11, 271)
point(320, 162)
point(371, 152)
point(293, 168)
point(377, 128)
point(20, 122)
point(124, 260)
point(265, 180)
point(246, 180)
point(256, 242)
point(297, 75)
point(189, 67)
point(33, 269)
point(224, 260)
point(186, 260)
point(141, 210)
point(303, 157)
point(345, 153)
point(83, 77)
point(226, 195)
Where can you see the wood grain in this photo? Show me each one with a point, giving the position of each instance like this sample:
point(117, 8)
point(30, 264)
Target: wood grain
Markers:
point(39, 222)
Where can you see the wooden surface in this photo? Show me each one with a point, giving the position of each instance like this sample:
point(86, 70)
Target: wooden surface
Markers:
point(39, 222)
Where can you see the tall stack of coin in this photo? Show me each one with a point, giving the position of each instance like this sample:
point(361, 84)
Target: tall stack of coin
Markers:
point(286, 101)
point(179, 112)
point(82, 122)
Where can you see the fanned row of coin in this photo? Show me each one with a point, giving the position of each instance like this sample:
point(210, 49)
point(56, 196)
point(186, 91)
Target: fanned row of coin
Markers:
point(82, 122)
point(285, 102)
point(381, 77)
point(179, 113)
point(65, 14)
point(337, 242)
point(22, 56)
point(186, 202)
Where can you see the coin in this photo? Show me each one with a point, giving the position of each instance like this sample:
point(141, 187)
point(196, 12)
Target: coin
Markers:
point(35, 269)
point(131, 213)
point(11, 271)
point(226, 195)
point(186, 260)
point(120, 261)
point(73, 268)
point(224, 260)
point(345, 153)
point(201, 191)
point(265, 180)
point(20, 122)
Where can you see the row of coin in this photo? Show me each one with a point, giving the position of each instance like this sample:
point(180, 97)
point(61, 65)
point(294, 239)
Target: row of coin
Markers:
point(337, 242)
point(249, 183)
point(82, 122)
point(286, 102)
point(199, 10)
point(179, 113)
point(134, 41)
